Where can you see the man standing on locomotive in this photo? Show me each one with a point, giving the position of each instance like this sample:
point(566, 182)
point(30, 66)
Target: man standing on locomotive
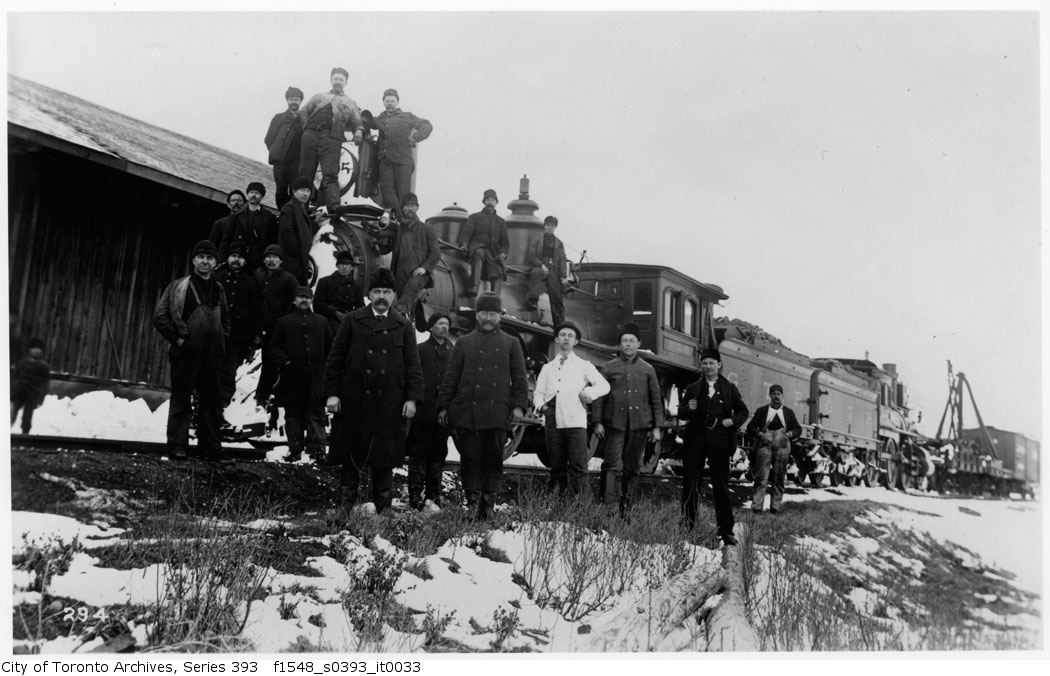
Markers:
point(326, 118)
point(416, 253)
point(193, 317)
point(372, 381)
point(484, 390)
point(772, 429)
point(427, 440)
point(714, 412)
point(246, 317)
point(296, 231)
point(565, 386)
point(398, 134)
point(485, 238)
point(338, 293)
point(549, 271)
point(283, 138)
point(632, 413)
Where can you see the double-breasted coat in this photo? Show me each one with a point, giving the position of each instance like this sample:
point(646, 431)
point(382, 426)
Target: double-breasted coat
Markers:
point(634, 401)
point(336, 293)
point(485, 381)
point(434, 358)
point(296, 233)
point(373, 367)
point(298, 346)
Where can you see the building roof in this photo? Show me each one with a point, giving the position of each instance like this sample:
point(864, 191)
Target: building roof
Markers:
point(70, 124)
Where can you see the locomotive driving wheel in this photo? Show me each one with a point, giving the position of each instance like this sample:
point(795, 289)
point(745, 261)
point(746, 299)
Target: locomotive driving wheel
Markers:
point(517, 433)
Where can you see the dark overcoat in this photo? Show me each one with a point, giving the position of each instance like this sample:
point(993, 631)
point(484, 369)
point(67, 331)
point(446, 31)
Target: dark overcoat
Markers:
point(298, 346)
point(373, 367)
point(277, 291)
point(245, 303)
point(727, 399)
point(535, 259)
point(434, 359)
point(257, 233)
point(336, 293)
point(634, 401)
point(283, 138)
point(296, 233)
point(485, 381)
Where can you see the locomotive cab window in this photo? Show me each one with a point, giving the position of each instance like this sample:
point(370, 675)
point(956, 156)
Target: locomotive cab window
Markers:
point(689, 318)
point(643, 298)
point(673, 309)
point(609, 288)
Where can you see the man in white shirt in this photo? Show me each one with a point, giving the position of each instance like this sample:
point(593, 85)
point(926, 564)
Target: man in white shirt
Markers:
point(565, 386)
point(772, 429)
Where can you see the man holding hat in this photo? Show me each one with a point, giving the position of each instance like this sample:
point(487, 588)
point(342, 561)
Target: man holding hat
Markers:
point(427, 440)
point(372, 381)
point(298, 348)
point(484, 236)
point(485, 388)
point(326, 119)
point(296, 231)
point(398, 134)
point(772, 429)
point(713, 411)
point(254, 226)
point(246, 316)
point(549, 271)
point(416, 253)
point(277, 291)
point(338, 293)
point(565, 386)
point(282, 140)
point(193, 317)
point(235, 200)
point(632, 413)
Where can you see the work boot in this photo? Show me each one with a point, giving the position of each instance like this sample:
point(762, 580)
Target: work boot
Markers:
point(728, 539)
point(293, 456)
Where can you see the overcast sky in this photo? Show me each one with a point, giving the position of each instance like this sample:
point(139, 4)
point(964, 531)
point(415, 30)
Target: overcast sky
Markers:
point(854, 181)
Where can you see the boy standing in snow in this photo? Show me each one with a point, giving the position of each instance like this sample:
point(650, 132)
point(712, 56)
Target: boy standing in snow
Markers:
point(30, 379)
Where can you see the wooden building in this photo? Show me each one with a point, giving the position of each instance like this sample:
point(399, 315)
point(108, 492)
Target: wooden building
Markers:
point(103, 212)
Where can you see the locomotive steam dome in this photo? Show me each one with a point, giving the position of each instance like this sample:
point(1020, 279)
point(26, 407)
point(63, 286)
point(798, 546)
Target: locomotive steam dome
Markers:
point(522, 225)
point(448, 221)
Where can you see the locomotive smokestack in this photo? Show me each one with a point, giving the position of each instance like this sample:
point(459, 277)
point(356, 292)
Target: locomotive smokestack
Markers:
point(523, 187)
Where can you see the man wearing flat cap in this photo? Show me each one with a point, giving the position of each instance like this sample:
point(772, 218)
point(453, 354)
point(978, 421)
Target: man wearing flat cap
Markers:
point(631, 414)
point(485, 238)
point(772, 429)
point(298, 348)
point(399, 132)
point(327, 118)
point(338, 293)
point(373, 382)
point(427, 440)
point(564, 388)
point(548, 271)
point(254, 226)
point(235, 201)
point(714, 411)
point(415, 253)
point(296, 231)
point(193, 317)
point(246, 316)
point(484, 390)
point(282, 140)
point(277, 291)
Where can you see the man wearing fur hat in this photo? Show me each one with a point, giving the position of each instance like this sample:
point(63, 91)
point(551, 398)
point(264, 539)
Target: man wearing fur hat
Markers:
point(713, 411)
point(398, 134)
point(235, 201)
point(246, 316)
point(193, 317)
point(338, 293)
point(282, 140)
point(565, 386)
point(296, 231)
point(298, 348)
point(416, 253)
point(484, 236)
point(632, 413)
point(772, 429)
point(549, 271)
point(427, 440)
point(254, 226)
point(372, 381)
point(485, 388)
point(277, 291)
point(326, 119)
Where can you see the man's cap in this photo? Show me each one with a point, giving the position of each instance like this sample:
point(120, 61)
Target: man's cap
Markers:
point(293, 92)
point(552, 220)
point(630, 328)
point(238, 247)
point(489, 302)
point(344, 257)
point(274, 249)
point(409, 198)
point(776, 388)
point(337, 69)
point(711, 353)
point(304, 292)
point(489, 193)
point(569, 325)
point(391, 92)
point(205, 246)
point(257, 186)
point(302, 182)
point(436, 316)
point(382, 279)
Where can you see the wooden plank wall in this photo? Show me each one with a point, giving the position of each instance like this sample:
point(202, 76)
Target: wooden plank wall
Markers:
point(90, 251)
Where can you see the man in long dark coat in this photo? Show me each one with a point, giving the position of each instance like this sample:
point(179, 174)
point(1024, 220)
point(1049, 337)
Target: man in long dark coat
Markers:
point(338, 293)
point(282, 140)
point(485, 238)
point(246, 317)
point(415, 254)
point(277, 291)
point(193, 317)
point(298, 349)
point(296, 231)
point(548, 270)
point(427, 440)
point(771, 429)
point(372, 382)
point(714, 411)
point(484, 389)
point(235, 200)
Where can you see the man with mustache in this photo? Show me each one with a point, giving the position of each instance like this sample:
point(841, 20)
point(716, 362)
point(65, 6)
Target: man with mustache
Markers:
point(254, 226)
point(771, 429)
point(373, 381)
point(399, 132)
point(415, 253)
point(235, 200)
point(484, 389)
point(282, 140)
